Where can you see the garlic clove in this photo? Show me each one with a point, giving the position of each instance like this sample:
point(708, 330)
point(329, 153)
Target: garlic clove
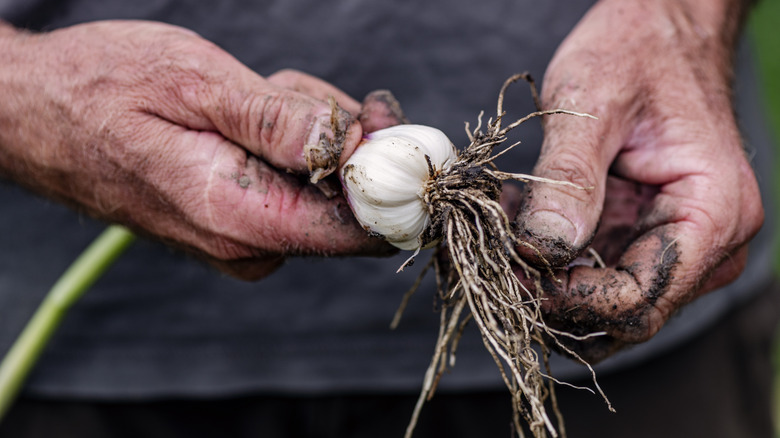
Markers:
point(385, 180)
point(399, 225)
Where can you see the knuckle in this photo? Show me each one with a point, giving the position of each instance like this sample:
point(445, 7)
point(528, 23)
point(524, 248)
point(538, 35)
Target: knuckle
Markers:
point(568, 166)
point(270, 109)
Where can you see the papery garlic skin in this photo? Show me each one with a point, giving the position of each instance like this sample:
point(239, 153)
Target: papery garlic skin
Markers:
point(385, 178)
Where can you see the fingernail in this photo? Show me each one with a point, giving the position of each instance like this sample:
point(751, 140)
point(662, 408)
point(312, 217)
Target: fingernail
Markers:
point(380, 110)
point(549, 225)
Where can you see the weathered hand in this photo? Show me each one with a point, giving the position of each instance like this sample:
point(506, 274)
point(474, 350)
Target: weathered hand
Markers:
point(151, 126)
point(673, 200)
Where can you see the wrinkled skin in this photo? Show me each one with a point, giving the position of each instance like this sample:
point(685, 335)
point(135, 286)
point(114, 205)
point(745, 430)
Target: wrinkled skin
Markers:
point(672, 200)
point(151, 126)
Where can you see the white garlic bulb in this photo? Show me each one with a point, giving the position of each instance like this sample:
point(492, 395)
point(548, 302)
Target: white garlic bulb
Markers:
point(385, 177)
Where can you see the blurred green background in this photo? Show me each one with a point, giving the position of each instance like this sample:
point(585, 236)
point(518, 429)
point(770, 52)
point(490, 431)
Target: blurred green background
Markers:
point(764, 29)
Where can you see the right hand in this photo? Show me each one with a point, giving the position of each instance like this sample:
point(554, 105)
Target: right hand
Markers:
point(153, 127)
point(674, 200)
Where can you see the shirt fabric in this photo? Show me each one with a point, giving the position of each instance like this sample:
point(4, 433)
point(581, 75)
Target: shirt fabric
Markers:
point(162, 324)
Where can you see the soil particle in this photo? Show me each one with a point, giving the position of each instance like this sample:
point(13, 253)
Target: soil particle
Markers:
point(588, 311)
point(668, 260)
point(556, 250)
point(585, 290)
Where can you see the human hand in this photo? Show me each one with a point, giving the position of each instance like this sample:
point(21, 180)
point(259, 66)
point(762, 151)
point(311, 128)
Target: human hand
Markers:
point(672, 199)
point(153, 127)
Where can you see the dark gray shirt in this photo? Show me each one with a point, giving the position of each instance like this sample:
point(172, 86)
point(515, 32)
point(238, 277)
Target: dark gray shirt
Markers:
point(160, 323)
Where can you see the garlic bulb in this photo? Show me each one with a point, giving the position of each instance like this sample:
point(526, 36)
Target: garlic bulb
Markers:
point(385, 179)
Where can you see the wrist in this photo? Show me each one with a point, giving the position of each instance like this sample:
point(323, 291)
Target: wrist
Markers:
point(25, 84)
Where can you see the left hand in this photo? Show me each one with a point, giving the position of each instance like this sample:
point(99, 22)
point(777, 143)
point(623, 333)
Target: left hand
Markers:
point(153, 127)
point(674, 200)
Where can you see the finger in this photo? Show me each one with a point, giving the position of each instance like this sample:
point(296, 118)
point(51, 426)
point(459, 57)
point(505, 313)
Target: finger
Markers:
point(661, 271)
point(290, 130)
point(561, 220)
point(692, 240)
point(380, 110)
point(557, 219)
point(630, 302)
point(314, 87)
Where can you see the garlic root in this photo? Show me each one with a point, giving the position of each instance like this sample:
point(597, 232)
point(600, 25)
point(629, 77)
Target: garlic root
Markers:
point(405, 184)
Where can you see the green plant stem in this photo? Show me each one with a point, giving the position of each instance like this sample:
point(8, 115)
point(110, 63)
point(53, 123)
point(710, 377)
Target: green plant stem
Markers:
point(90, 265)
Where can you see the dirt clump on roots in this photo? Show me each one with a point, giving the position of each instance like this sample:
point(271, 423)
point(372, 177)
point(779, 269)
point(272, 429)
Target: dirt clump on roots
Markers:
point(475, 268)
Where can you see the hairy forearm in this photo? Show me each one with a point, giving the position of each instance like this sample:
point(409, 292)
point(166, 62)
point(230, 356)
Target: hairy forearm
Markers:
point(47, 140)
point(717, 17)
point(13, 126)
point(707, 31)
point(650, 43)
point(30, 154)
point(723, 18)
point(714, 25)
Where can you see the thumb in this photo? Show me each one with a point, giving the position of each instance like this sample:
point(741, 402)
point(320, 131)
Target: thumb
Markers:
point(558, 220)
point(286, 128)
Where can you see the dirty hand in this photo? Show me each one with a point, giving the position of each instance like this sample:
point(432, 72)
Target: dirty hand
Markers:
point(672, 200)
point(151, 126)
